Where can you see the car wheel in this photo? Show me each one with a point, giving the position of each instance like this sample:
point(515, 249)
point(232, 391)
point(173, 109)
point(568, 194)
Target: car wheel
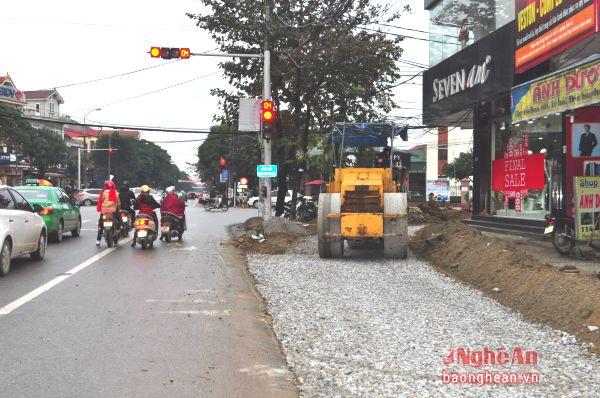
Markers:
point(77, 231)
point(87, 202)
point(41, 250)
point(58, 235)
point(255, 204)
point(5, 258)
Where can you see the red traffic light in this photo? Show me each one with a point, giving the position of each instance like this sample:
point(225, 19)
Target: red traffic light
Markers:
point(223, 161)
point(268, 111)
point(244, 181)
point(155, 52)
point(110, 149)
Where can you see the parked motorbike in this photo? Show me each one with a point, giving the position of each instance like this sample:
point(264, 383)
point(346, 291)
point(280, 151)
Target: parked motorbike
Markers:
point(306, 210)
point(216, 204)
point(171, 226)
point(111, 229)
point(144, 231)
point(561, 229)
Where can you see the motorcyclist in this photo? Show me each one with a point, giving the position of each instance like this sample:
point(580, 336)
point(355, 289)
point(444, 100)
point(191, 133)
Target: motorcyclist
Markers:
point(127, 199)
point(146, 204)
point(108, 202)
point(215, 196)
point(173, 204)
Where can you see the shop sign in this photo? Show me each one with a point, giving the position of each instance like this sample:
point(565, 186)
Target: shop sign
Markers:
point(587, 207)
point(570, 89)
point(544, 28)
point(11, 93)
point(7, 158)
point(440, 188)
point(518, 172)
point(479, 72)
point(462, 80)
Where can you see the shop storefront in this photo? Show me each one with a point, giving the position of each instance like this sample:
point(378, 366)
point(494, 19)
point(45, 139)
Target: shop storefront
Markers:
point(10, 165)
point(557, 119)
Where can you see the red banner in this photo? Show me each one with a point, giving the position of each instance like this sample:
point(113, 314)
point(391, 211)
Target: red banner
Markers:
point(518, 172)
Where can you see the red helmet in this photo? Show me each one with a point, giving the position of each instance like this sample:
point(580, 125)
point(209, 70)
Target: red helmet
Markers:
point(109, 185)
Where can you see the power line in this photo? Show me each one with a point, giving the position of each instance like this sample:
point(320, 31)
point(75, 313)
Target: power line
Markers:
point(407, 37)
point(153, 92)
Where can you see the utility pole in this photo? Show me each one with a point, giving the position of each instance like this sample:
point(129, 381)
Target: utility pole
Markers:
point(267, 96)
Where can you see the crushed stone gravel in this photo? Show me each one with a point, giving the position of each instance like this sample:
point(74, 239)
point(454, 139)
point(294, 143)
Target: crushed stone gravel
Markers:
point(371, 327)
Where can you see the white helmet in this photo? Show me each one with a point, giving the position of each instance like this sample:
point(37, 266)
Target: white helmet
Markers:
point(170, 189)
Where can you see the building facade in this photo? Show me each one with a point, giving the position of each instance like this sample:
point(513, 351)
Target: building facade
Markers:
point(43, 110)
point(529, 89)
point(12, 166)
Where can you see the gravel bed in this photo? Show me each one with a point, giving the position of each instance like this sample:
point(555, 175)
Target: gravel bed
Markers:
point(365, 327)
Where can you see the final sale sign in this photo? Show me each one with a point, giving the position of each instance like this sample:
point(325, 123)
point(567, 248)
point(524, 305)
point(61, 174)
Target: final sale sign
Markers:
point(518, 172)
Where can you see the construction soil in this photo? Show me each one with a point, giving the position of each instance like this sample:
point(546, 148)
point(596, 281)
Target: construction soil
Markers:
point(504, 272)
point(275, 242)
point(432, 212)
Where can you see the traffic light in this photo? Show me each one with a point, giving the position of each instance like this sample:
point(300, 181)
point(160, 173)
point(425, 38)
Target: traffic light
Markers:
point(268, 111)
point(170, 53)
point(110, 149)
point(223, 161)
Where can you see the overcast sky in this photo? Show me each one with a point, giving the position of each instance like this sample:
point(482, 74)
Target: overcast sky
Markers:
point(53, 44)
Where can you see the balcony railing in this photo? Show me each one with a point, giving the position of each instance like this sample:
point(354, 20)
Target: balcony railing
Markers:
point(44, 114)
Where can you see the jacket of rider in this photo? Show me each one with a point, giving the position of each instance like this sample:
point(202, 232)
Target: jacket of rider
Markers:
point(105, 205)
point(173, 204)
point(127, 198)
point(146, 204)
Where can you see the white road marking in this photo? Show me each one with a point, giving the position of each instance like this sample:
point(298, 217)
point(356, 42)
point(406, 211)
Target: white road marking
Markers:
point(7, 309)
point(183, 249)
point(89, 229)
point(195, 301)
point(201, 312)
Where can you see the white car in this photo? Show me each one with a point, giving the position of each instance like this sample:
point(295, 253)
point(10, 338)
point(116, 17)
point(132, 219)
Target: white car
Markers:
point(22, 230)
point(155, 194)
point(253, 201)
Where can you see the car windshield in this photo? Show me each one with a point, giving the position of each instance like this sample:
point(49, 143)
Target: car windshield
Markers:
point(34, 194)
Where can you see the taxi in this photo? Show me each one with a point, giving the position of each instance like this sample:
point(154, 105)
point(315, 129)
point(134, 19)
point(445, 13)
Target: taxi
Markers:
point(59, 213)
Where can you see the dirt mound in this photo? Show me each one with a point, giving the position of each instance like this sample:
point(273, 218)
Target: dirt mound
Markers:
point(274, 236)
point(432, 212)
point(565, 301)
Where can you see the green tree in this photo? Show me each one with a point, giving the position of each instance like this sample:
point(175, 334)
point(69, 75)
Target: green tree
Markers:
point(325, 66)
point(241, 151)
point(461, 167)
point(45, 149)
point(13, 128)
point(137, 161)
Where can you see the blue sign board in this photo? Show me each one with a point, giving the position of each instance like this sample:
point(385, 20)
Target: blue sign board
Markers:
point(266, 170)
point(224, 175)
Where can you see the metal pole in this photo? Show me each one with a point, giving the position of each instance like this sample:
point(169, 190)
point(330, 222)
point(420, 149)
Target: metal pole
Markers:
point(109, 137)
point(266, 96)
point(78, 168)
point(16, 169)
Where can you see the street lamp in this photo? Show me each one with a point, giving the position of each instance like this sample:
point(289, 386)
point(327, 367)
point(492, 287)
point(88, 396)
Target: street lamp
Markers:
point(79, 152)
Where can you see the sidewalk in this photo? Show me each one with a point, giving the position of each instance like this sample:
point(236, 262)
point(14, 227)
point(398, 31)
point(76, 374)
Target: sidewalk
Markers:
point(545, 252)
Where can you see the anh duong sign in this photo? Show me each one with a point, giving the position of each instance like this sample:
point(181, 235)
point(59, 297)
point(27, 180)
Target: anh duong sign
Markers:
point(563, 90)
point(587, 207)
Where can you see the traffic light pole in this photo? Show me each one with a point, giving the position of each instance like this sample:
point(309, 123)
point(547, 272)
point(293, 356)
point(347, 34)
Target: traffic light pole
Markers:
point(267, 96)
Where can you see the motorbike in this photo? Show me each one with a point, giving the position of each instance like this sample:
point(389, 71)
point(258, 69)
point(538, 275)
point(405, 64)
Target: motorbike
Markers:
point(127, 222)
point(171, 226)
point(144, 231)
point(306, 210)
point(561, 229)
point(111, 229)
point(216, 204)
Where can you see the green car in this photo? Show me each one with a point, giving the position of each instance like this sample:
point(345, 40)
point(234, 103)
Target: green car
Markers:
point(59, 213)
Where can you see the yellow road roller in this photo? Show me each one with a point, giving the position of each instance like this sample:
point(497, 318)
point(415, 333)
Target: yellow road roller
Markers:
point(363, 204)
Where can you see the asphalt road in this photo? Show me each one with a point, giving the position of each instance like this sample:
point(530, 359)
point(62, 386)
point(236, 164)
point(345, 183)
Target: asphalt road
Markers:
point(179, 320)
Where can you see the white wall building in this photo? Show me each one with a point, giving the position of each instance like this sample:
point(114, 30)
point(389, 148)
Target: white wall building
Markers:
point(43, 107)
point(443, 146)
